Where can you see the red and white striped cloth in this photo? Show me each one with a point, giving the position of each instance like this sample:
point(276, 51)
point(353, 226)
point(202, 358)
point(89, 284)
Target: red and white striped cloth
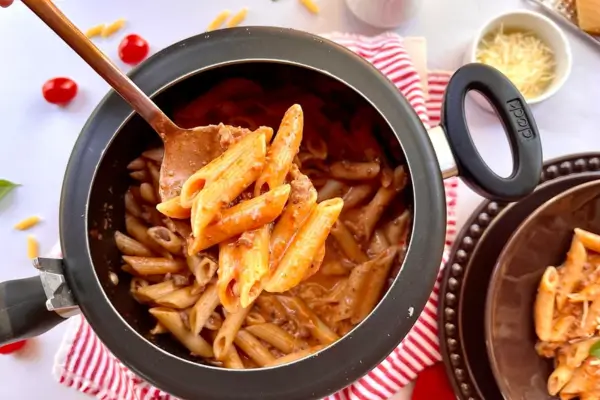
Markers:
point(84, 363)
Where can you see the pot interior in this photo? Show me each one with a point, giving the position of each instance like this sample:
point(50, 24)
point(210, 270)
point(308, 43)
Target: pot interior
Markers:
point(339, 104)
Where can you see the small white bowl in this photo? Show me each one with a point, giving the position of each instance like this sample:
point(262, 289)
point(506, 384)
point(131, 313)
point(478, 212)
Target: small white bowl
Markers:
point(546, 30)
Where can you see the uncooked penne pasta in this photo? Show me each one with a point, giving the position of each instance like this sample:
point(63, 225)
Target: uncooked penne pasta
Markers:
point(27, 223)
point(94, 31)
point(276, 337)
point(572, 271)
point(246, 216)
point(374, 284)
point(228, 273)
point(131, 247)
point(255, 264)
point(232, 359)
point(171, 320)
point(354, 170)
point(299, 255)
point(253, 348)
point(318, 329)
point(214, 169)
point(347, 243)
point(156, 291)
point(172, 208)
point(219, 20)
point(111, 29)
point(33, 247)
point(202, 267)
point(298, 355)
point(225, 336)
point(238, 18)
point(544, 304)
point(223, 190)
point(301, 203)
point(202, 310)
point(179, 299)
point(154, 265)
point(311, 6)
point(284, 148)
point(167, 239)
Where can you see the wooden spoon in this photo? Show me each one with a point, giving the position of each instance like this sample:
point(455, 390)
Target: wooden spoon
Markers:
point(186, 150)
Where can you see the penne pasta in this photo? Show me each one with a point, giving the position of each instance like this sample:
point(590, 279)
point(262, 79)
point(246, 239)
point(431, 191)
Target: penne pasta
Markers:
point(397, 229)
point(255, 264)
point(228, 273)
point(558, 379)
point(219, 20)
point(276, 337)
point(238, 18)
point(94, 31)
point(171, 320)
point(347, 243)
point(137, 164)
point(354, 171)
point(131, 247)
point(296, 356)
point(148, 193)
point(33, 247)
point(139, 231)
point(232, 359)
point(357, 195)
point(572, 270)
point(253, 348)
point(225, 336)
point(132, 206)
point(154, 265)
point(202, 267)
point(27, 223)
point(284, 148)
point(167, 239)
point(179, 299)
point(590, 321)
point(154, 292)
point(204, 307)
point(378, 243)
point(301, 252)
point(318, 329)
point(544, 304)
point(255, 318)
point(332, 188)
point(172, 208)
point(590, 240)
point(220, 192)
point(156, 154)
point(301, 203)
point(158, 329)
point(214, 322)
point(316, 263)
point(245, 216)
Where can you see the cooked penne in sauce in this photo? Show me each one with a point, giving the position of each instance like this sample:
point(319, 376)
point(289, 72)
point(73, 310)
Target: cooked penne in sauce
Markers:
point(286, 240)
point(567, 320)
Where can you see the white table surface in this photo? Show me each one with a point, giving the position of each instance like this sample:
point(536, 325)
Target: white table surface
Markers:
point(36, 138)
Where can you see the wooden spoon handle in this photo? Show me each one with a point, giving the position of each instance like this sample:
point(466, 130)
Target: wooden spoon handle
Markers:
point(68, 32)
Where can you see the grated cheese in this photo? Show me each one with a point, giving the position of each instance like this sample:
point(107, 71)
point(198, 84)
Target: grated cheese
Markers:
point(520, 55)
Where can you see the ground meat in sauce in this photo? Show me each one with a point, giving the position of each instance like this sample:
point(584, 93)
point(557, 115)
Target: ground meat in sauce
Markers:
point(301, 188)
point(229, 135)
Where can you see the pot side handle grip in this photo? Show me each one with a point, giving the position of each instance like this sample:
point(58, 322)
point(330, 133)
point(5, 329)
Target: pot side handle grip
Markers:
point(23, 312)
point(519, 126)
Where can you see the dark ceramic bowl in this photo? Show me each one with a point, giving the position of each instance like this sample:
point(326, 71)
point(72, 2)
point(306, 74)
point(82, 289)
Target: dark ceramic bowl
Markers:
point(543, 239)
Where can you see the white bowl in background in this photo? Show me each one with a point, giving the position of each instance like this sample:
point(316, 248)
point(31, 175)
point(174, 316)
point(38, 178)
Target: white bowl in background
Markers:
point(546, 29)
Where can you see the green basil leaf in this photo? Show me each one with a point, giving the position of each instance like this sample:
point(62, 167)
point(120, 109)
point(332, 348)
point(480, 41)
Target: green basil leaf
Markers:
point(6, 187)
point(595, 349)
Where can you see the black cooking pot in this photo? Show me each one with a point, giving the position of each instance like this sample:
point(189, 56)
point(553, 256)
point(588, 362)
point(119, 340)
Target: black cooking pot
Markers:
point(92, 208)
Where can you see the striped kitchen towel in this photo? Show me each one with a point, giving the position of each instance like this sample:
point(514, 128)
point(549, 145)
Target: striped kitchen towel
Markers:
point(85, 364)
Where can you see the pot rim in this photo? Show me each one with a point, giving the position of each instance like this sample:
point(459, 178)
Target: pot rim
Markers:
point(353, 355)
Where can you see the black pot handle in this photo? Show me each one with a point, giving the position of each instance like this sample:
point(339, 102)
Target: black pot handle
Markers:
point(519, 126)
point(23, 312)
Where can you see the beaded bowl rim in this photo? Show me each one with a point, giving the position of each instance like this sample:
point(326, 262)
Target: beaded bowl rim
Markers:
point(466, 243)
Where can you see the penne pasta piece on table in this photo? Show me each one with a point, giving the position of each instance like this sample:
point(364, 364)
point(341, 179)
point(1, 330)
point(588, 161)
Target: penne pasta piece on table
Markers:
point(255, 264)
point(544, 304)
point(318, 329)
point(572, 270)
point(171, 320)
point(276, 337)
point(219, 20)
point(354, 170)
point(301, 252)
point(225, 336)
point(131, 247)
point(284, 148)
point(302, 201)
point(27, 223)
point(298, 355)
point(253, 348)
point(347, 243)
point(167, 239)
point(245, 216)
point(237, 18)
point(154, 265)
point(179, 299)
point(223, 190)
point(202, 310)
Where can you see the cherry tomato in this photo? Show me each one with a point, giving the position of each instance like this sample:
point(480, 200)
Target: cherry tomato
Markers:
point(59, 90)
point(133, 49)
point(11, 348)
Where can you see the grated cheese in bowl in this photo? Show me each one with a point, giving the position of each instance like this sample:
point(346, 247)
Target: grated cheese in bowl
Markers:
point(522, 56)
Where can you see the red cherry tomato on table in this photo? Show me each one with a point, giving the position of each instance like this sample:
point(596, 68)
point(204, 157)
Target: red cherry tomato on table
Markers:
point(11, 348)
point(133, 49)
point(59, 90)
